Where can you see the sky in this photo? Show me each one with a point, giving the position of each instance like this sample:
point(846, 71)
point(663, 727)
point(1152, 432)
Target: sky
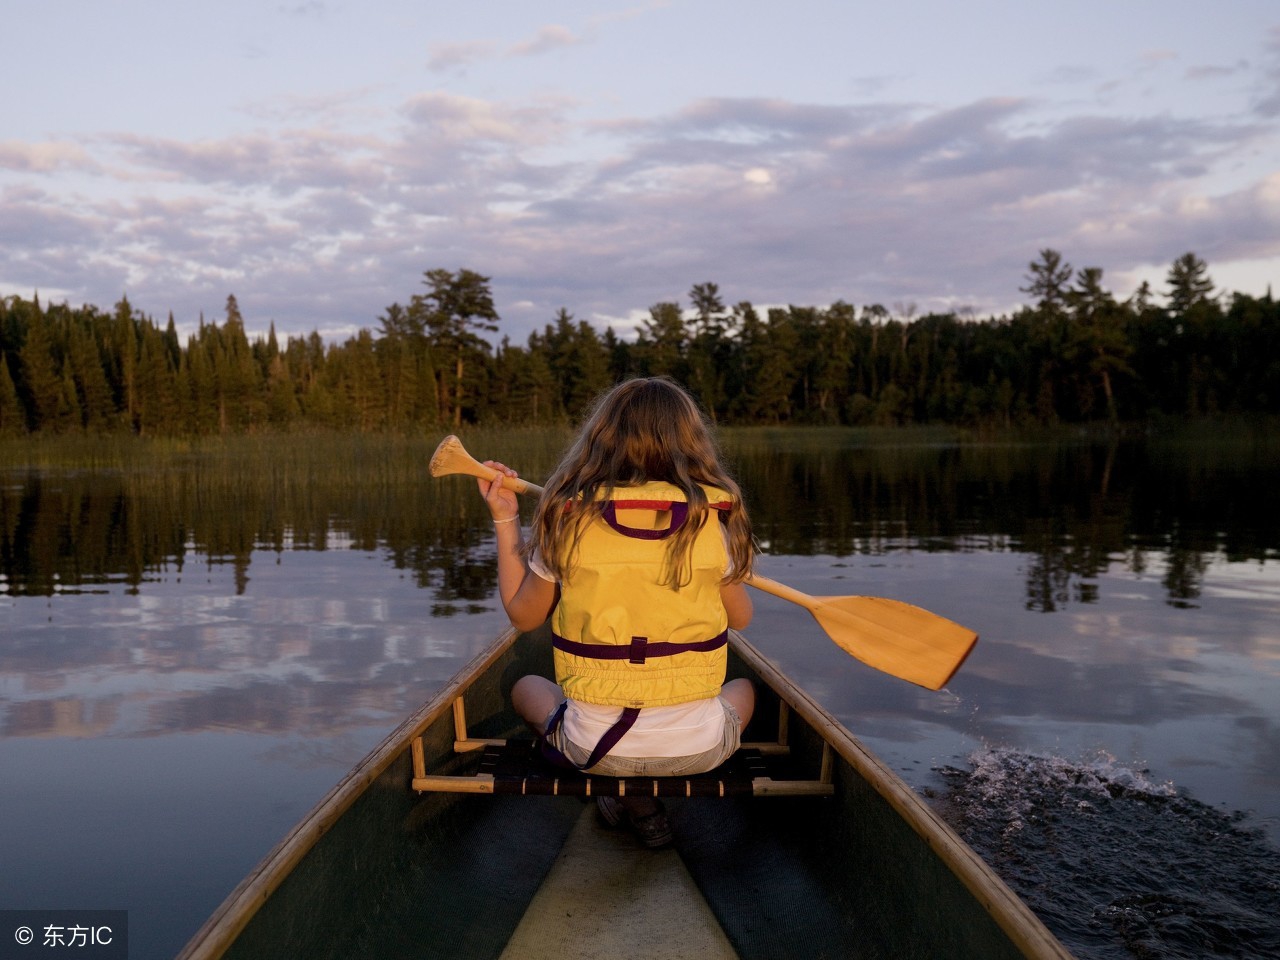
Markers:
point(315, 157)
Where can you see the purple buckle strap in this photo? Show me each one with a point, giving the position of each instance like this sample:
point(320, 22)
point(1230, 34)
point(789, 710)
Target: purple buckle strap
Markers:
point(639, 650)
point(606, 743)
point(679, 512)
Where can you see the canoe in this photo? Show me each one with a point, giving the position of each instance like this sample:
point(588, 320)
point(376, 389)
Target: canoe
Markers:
point(432, 847)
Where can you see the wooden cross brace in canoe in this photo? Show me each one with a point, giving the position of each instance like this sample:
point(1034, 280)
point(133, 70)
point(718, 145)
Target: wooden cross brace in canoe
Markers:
point(515, 767)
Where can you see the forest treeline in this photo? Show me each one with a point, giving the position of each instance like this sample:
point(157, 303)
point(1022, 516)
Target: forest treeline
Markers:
point(1074, 354)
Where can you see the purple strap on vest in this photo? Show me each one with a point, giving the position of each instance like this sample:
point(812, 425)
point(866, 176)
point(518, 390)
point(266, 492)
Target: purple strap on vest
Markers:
point(602, 748)
point(679, 511)
point(639, 649)
point(636, 651)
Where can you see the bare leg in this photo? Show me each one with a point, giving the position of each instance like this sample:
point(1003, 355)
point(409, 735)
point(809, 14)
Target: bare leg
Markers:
point(534, 698)
point(742, 695)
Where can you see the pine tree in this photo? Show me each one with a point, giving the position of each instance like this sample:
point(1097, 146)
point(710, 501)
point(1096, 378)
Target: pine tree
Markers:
point(125, 344)
point(831, 376)
point(707, 347)
point(158, 410)
point(1047, 281)
point(776, 368)
point(1097, 339)
point(69, 415)
point(97, 406)
point(661, 343)
point(457, 308)
point(363, 391)
point(238, 375)
point(529, 388)
point(41, 378)
point(204, 401)
point(1189, 284)
point(13, 418)
point(282, 398)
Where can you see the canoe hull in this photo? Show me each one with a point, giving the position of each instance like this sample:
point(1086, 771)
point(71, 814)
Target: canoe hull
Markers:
point(379, 871)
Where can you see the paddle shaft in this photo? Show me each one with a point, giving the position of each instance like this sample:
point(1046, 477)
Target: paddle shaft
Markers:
point(450, 457)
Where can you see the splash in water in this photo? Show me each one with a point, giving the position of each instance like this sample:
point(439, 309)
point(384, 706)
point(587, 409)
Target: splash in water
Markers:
point(1116, 864)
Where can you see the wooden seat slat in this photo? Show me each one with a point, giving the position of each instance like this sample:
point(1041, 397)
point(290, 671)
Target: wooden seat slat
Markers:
point(516, 767)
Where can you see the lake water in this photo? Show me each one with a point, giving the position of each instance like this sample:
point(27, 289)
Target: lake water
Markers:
point(192, 654)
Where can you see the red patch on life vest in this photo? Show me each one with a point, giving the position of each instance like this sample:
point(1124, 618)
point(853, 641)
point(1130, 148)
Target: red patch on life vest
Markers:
point(662, 504)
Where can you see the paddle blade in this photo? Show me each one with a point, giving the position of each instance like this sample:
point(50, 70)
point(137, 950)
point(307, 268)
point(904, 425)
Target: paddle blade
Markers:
point(451, 457)
point(898, 638)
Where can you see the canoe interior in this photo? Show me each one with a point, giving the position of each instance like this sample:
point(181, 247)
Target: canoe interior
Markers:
point(450, 875)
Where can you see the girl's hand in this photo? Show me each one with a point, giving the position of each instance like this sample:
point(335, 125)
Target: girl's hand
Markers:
point(503, 504)
point(526, 597)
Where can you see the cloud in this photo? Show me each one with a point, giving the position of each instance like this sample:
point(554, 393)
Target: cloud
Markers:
point(1268, 99)
point(776, 201)
point(33, 219)
point(332, 109)
point(629, 13)
point(55, 245)
point(456, 57)
point(309, 10)
point(1071, 75)
point(553, 37)
point(43, 157)
point(1154, 58)
point(445, 57)
point(473, 122)
point(1216, 72)
point(284, 162)
point(945, 206)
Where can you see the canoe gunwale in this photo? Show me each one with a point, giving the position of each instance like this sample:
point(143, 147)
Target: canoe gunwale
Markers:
point(1013, 916)
point(238, 909)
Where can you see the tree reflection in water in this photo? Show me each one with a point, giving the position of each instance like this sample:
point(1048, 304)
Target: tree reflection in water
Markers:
point(1076, 509)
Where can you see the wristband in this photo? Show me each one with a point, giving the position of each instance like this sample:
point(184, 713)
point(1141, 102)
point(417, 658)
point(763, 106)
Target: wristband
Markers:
point(508, 519)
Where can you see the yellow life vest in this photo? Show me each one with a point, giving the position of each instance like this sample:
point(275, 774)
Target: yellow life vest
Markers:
point(624, 639)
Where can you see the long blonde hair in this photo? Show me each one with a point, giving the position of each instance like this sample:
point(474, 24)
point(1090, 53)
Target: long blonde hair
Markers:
point(646, 429)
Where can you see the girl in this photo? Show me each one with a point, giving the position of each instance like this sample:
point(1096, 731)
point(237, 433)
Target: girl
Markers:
point(638, 552)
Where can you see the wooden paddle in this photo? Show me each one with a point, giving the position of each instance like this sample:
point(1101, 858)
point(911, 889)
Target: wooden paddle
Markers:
point(894, 637)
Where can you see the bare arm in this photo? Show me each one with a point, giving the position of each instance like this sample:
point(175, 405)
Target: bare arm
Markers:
point(737, 604)
point(526, 597)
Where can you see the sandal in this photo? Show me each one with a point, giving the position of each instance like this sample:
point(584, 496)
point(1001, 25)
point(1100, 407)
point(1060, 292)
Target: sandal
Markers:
point(653, 829)
point(611, 810)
